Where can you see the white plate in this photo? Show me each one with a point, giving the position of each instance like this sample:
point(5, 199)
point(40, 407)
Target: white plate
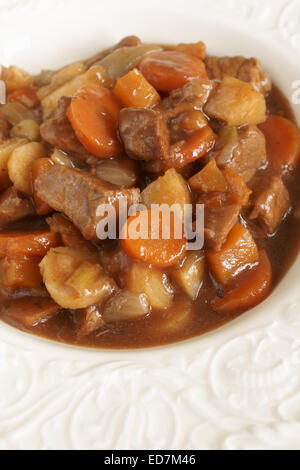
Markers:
point(236, 388)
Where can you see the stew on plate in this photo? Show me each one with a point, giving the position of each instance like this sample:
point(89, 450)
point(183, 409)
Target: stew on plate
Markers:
point(144, 125)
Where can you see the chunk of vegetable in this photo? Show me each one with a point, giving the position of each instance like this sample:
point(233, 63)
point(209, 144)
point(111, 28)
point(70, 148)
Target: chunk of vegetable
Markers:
point(15, 78)
point(124, 59)
point(93, 114)
point(38, 167)
point(27, 96)
point(190, 274)
point(152, 282)
point(29, 244)
point(177, 318)
point(80, 280)
point(168, 70)
point(198, 49)
point(134, 91)
point(16, 112)
point(145, 237)
point(58, 157)
point(238, 191)
point(193, 120)
point(238, 252)
point(19, 165)
point(20, 271)
point(283, 143)
point(171, 188)
point(126, 305)
point(209, 180)
point(250, 290)
point(69, 234)
point(28, 129)
point(236, 103)
point(6, 149)
point(29, 311)
point(195, 147)
point(121, 171)
point(95, 76)
point(58, 79)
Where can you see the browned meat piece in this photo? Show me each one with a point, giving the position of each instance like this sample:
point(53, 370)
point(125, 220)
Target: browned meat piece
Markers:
point(247, 70)
point(91, 320)
point(192, 95)
point(144, 133)
point(13, 207)
point(246, 155)
point(58, 131)
point(79, 195)
point(3, 127)
point(270, 202)
point(218, 223)
point(29, 311)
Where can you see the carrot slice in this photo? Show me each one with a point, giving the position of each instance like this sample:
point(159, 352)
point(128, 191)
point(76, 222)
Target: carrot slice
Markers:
point(134, 91)
point(168, 70)
point(143, 238)
point(36, 243)
point(195, 147)
point(238, 251)
point(283, 143)
point(40, 166)
point(26, 96)
point(29, 311)
point(93, 114)
point(21, 271)
point(250, 290)
point(197, 49)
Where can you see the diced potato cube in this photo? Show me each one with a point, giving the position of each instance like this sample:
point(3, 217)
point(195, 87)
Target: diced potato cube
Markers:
point(209, 180)
point(126, 305)
point(15, 78)
point(6, 149)
point(94, 76)
point(171, 188)
point(190, 275)
point(80, 280)
point(236, 103)
point(239, 251)
point(19, 271)
point(28, 129)
point(153, 283)
point(177, 318)
point(19, 165)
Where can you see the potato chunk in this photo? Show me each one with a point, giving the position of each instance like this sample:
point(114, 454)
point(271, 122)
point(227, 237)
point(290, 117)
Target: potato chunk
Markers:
point(6, 149)
point(74, 278)
point(177, 318)
point(153, 283)
point(238, 252)
point(190, 275)
point(19, 165)
point(27, 128)
point(171, 188)
point(236, 103)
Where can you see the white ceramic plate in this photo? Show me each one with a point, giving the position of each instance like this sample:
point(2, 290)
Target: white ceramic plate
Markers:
point(236, 388)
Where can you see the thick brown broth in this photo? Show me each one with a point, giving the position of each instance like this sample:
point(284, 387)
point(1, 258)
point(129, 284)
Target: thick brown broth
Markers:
point(282, 249)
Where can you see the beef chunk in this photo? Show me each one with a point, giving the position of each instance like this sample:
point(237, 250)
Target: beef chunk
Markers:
point(191, 96)
point(247, 70)
point(78, 195)
point(29, 311)
point(3, 127)
point(246, 155)
point(218, 223)
point(270, 202)
point(58, 131)
point(144, 134)
point(13, 207)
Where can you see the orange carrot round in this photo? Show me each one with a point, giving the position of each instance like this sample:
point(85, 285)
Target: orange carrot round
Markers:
point(145, 238)
point(93, 114)
point(249, 291)
point(283, 142)
point(168, 70)
point(36, 243)
point(27, 96)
